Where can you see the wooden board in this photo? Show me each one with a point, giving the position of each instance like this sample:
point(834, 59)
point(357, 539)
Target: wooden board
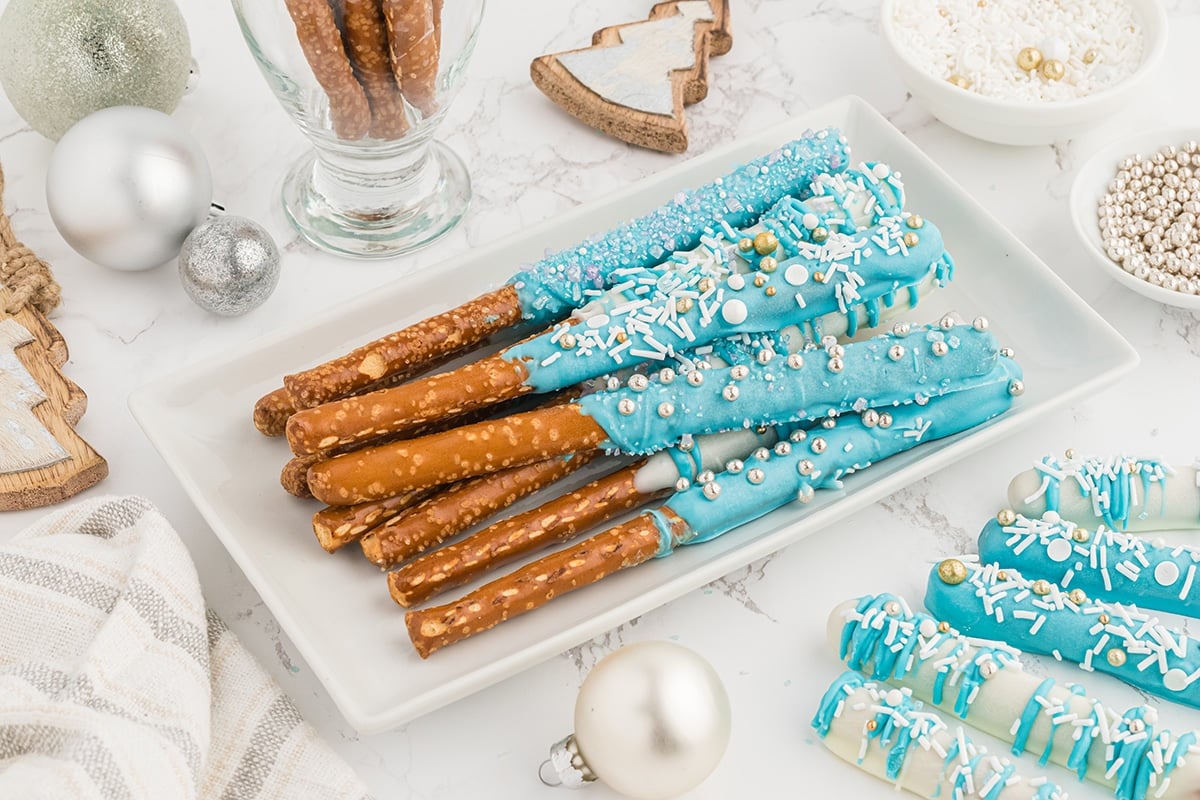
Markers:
point(38, 408)
point(635, 79)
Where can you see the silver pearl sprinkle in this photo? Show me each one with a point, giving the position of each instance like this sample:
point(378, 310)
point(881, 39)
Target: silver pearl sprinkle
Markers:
point(805, 494)
point(682, 485)
point(1007, 352)
point(695, 377)
point(1016, 388)
point(706, 476)
point(795, 361)
point(980, 324)
point(687, 443)
point(901, 329)
point(735, 466)
point(805, 467)
point(666, 375)
point(638, 382)
point(818, 445)
point(612, 384)
point(797, 436)
point(762, 453)
point(739, 372)
point(756, 475)
point(836, 350)
point(940, 348)
point(764, 356)
point(829, 423)
point(711, 491)
point(896, 352)
point(783, 448)
point(836, 364)
point(947, 322)
point(626, 406)
point(666, 409)
point(828, 341)
point(730, 393)
point(870, 418)
point(885, 420)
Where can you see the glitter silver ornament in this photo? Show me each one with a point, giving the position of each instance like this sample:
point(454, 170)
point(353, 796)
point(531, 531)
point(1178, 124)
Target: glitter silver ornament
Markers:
point(63, 60)
point(126, 186)
point(229, 265)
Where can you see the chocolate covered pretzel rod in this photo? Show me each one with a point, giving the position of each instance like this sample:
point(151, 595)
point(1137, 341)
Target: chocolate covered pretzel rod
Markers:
point(647, 415)
point(1123, 492)
point(562, 518)
point(1103, 563)
point(984, 683)
point(365, 31)
point(443, 515)
point(548, 290)
point(661, 316)
point(727, 501)
point(885, 732)
point(321, 42)
point(999, 603)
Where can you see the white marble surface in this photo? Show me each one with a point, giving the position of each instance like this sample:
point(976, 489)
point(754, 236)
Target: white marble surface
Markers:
point(761, 626)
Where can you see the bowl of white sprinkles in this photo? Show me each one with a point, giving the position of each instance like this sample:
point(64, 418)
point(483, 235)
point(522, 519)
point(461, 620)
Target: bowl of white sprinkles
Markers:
point(1024, 71)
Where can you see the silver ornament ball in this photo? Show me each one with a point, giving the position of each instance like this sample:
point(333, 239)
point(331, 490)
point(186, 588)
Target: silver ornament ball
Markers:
point(229, 265)
point(652, 720)
point(125, 187)
point(61, 60)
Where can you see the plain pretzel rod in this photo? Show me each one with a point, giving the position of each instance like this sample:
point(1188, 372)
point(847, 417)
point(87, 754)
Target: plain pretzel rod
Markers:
point(882, 271)
point(562, 518)
point(437, 518)
point(885, 732)
point(911, 364)
point(721, 503)
point(337, 526)
point(983, 683)
point(548, 290)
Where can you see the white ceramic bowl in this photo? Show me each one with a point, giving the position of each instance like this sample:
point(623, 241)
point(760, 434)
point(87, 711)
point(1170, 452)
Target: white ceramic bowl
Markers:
point(1022, 123)
point(1091, 183)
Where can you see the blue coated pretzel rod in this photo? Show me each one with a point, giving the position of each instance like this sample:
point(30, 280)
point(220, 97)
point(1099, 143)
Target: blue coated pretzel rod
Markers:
point(983, 682)
point(547, 290)
point(794, 470)
point(912, 365)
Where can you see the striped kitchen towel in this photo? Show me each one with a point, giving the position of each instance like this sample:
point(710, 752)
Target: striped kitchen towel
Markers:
point(117, 683)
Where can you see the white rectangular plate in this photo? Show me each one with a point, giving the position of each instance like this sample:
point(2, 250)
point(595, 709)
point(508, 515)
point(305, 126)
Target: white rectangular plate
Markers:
point(337, 610)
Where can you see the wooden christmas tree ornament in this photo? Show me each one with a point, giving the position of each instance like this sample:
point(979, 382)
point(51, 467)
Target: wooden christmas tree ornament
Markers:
point(635, 79)
point(42, 459)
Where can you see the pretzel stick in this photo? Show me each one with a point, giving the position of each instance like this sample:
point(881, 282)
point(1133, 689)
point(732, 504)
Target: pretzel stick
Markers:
point(321, 42)
point(554, 522)
point(438, 336)
point(365, 32)
point(403, 408)
point(618, 548)
point(294, 476)
point(271, 412)
point(338, 526)
point(443, 515)
point(415, 42)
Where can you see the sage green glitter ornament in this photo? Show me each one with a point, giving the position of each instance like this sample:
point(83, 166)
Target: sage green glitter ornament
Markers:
point(61, 60)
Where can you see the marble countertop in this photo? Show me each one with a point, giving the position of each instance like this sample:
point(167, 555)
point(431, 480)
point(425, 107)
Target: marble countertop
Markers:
point(762, 626)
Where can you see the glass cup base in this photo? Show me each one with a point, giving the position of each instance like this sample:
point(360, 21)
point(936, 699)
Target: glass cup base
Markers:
point(331, 213)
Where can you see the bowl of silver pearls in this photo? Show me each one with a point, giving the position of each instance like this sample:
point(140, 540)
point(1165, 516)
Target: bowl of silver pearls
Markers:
point(1136, 205)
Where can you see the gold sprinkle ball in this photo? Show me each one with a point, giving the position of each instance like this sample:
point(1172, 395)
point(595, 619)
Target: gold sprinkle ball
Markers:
point(952, 571)
point(765, 243)
point(1116, 657)
point(915, 221)
point(768, 264)
point(683, 305)
point(759, 280)
point(567, 341)
point(1089, 56)
point(622, 336)
point(872, 724)
point(1053, 69)
point(820, 234)
point(1001, 575)
point(1006, 517)
point(1041, 587)
point(1029, 59)
point(943, 627)
point(911, 239)
point(819, 276)
point(1104, 619)
point(960, 81)
point(1081, 535)
point(1077, 596)
point(706, 284)
point(770, 291)
point(746, 245)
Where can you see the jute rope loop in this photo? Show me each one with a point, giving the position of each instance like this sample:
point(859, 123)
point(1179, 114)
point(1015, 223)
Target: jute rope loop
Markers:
point(27, 277)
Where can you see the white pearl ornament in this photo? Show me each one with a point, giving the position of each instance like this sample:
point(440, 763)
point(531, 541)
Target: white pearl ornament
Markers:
point(652, 720)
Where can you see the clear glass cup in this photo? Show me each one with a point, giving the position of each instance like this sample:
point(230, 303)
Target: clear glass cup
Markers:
point(376, 184)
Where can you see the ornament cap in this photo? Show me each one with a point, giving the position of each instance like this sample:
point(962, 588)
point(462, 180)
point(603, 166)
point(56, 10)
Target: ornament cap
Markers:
point(565, 766)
